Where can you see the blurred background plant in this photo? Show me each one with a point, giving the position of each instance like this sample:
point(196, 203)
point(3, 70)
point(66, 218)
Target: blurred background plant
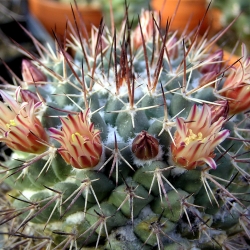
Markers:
point(135, 7)
point(14, 13)
point(77, 1)
point(221, 11)
point(240, 30)
point(8, 10)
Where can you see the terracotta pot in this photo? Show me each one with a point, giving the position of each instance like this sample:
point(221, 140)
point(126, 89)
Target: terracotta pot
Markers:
point(54, 15)
point(189, 11)
point(216, 20)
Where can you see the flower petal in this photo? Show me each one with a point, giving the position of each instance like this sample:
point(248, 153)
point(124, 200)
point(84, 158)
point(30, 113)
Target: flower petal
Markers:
point(210, 162)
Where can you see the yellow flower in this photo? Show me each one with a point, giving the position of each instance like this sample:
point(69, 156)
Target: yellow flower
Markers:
point(21, 129)
point(80, 143)
point(196, 138)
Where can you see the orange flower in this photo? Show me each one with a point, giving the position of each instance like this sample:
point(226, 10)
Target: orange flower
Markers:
point(196, 138)
point(80, 143)
point(236, 87)
point(21, 129)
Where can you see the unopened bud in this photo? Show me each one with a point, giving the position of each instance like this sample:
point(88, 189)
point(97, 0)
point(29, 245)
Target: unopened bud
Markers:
point(31, 74)
point(28, 95)
point(145, 146)
point(220, 110)
point(212, 63)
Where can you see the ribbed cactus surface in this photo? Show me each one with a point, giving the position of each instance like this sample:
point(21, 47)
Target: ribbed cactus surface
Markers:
point(136, 139)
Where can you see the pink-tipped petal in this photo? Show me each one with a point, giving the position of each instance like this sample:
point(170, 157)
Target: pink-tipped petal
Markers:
point(210, 162)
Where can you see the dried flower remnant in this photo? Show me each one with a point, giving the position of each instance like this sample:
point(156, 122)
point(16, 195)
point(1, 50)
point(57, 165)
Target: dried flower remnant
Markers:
point(21, 129)
point(80, 143)
point(196, 138)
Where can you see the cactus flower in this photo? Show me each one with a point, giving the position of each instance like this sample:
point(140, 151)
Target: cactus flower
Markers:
point(236, 87)
point(21, 129)
point(196, 138)
point(80, 143)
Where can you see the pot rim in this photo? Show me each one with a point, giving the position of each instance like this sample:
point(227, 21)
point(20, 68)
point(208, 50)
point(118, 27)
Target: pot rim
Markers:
point(60, 5)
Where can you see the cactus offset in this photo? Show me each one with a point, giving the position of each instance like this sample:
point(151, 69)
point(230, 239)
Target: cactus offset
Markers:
point(127, 144)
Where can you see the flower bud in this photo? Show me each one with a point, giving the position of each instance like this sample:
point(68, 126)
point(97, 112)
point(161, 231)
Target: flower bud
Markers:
point(212, 63)
point(211, 67)
point(28, 95)
point(145, 146)
point(218, 111)
point(31, 74)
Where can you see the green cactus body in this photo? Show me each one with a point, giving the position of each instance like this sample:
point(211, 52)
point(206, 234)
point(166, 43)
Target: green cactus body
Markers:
point(125, 147)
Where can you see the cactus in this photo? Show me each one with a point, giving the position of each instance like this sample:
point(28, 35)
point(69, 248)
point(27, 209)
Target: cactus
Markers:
point(138, 139)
